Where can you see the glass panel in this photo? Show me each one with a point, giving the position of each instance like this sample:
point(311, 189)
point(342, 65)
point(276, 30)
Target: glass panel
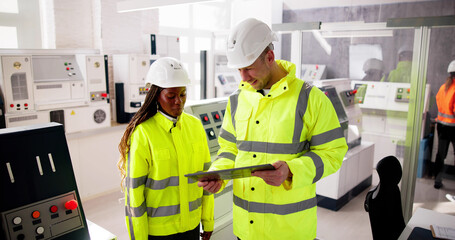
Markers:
point(9, 37)
point(433, 169)
point(372, 77)
point(9, 6)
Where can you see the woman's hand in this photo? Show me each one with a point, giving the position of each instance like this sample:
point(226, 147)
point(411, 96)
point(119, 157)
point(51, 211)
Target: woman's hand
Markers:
point(206, 235)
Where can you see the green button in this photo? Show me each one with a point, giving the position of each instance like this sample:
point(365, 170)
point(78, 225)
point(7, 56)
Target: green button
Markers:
point(399, 96)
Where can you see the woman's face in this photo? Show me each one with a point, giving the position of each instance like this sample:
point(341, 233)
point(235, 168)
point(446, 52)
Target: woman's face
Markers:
point(172, 100)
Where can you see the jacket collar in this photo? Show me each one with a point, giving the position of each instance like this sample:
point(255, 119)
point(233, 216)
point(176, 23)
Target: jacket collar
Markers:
point(279, 87)
point(165, 123)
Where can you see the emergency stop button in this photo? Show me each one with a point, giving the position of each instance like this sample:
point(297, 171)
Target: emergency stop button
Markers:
point(216, 116)
point(53, 209)
point(36, 214)
point(71, 204)
point(205, 119)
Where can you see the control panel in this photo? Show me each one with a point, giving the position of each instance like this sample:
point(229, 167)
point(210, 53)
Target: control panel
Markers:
point(312, 72)
point(402, 94)
point(383, 95)
point(211, 113)
point(348, 97)
point(331, 93)
point(44, 219)
point(39, 198)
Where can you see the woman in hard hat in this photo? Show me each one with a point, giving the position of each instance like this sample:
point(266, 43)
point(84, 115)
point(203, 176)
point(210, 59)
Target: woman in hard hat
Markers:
point(445, 99)
point(160, 145)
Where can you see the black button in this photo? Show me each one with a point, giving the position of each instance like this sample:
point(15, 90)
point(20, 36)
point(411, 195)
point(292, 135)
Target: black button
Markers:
point(254, 155)
point(251, 221)
point(284, 88)
point(269, 95)
point(20, 237)
point(252, 189)
point(243, 84)
point(257, 122)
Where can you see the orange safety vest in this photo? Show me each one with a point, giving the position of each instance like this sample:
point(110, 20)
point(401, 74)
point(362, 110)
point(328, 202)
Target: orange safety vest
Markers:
point(446, 105)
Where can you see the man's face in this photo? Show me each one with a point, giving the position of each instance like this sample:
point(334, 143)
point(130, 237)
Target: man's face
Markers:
point(257, 74)
point(172, 100)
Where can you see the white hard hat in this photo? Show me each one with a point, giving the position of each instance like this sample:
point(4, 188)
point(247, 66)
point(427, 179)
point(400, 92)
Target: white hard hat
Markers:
point(167, 72)
point(451, 67)
point(373, 63)
point(404, 48)
point(247, 41)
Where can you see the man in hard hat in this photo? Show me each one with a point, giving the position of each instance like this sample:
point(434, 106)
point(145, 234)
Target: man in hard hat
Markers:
point(445, 99)
point(402, 73)
point(274, 118)
point(160, 145)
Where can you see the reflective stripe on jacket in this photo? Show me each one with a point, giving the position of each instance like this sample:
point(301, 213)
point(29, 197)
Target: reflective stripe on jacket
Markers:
point(295, 123)
point(446, 105)
point(159, 199)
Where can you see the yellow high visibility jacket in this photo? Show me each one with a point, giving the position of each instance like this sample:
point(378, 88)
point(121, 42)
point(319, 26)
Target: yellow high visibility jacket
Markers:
point(295, 123)
point(446, 105)
point(159, 199)
point(402, 73)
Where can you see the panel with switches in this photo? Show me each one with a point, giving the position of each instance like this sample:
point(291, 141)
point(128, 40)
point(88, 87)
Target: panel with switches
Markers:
point(44, 219)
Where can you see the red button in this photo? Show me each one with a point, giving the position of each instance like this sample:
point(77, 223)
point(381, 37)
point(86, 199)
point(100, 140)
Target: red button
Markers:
point(67, 68)
point(26, 104)
point(217, 116)
point(53, 209)
point(11, 105)
point(103, 94)
point(354, 92)
point(35, 214)
point(409, 90)
point(71, 205)
point(206, 118)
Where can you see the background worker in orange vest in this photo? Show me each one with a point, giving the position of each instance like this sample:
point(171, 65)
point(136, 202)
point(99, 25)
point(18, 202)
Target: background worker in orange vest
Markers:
point(445, 100)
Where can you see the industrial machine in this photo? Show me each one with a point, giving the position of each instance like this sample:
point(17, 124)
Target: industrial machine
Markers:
point(130, 71)
point(226, 79)
point(2, 110)
point(313, 72)
point(355, 174)
point(165, 46)
point(384, 107)
point(39, 197)
point(69, 89)
point(211, 112)
point(342, 96)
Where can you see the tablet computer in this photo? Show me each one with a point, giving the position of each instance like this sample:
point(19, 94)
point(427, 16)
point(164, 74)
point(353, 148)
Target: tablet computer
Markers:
point(230, 173)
